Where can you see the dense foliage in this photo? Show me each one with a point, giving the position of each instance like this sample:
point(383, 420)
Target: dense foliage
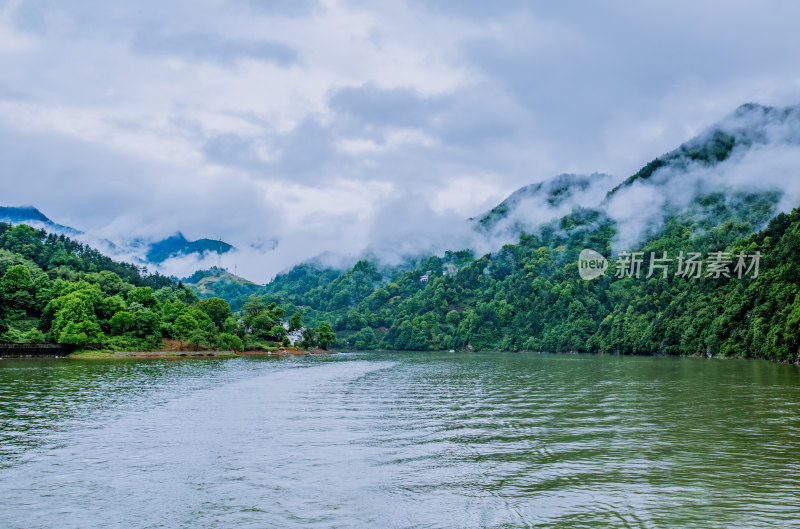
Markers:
point(53, 289)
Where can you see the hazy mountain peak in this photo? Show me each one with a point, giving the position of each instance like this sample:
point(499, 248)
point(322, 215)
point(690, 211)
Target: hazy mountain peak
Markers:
point(31, 216)
point(750, 125)
point(533, 204)
point(22, 213)
point(177, 245)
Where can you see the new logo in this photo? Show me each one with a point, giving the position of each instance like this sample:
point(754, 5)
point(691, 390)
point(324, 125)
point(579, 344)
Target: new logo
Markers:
point(591, 264)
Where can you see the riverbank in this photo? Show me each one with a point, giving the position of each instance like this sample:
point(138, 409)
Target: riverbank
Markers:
point(283, 352)
point(167, 348)
point(191, 354)
point(34, 350)
point(149, 354)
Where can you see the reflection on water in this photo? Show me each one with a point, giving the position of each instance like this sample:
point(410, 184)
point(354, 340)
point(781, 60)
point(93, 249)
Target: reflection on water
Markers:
point(400, 440)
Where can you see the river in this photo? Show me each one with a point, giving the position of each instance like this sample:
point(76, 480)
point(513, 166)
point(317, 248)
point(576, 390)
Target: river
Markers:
point(384, 440)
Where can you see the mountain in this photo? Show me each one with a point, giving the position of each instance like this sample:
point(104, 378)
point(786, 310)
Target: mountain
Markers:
point(748, 128)
point(315, 283)
point(177, 245)
point(21, 214)
point(535, 203)
point(57, 290)
point(147, 252)
point(719, 192)
point(218, 282)
point(33, 217)
point(721, 159)
point(683, 180)
point(554, 193)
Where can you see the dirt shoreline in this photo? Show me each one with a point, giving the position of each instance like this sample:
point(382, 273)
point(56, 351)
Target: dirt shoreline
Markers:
point(259, 352)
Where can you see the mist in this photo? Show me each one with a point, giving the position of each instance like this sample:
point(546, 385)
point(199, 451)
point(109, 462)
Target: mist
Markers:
point(765, 158)
point(346, 128)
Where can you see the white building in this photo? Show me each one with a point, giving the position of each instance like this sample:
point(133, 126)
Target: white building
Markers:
point(295, 337)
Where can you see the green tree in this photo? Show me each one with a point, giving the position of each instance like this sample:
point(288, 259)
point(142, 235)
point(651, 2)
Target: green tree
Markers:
point(184, 326)
point(109, 306)
point(75, 321)
point(295, 322)
point(277, 333)
point(16, 288)
point(144, 296)
point(109, 282)
point(325, 335)
point(230, 342)
point(147, 323)
point(231, 326)
point(364, 339)
point(81, 332)
point(252, 307)
point(453, 318)
point(217, 309)
point(122, 322)
point(33, 335)
point(265, 324)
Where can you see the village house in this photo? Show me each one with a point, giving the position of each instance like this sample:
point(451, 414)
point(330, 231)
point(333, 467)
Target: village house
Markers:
point(295, 337)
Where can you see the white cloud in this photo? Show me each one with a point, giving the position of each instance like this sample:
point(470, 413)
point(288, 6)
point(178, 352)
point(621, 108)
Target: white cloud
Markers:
point(317, 122)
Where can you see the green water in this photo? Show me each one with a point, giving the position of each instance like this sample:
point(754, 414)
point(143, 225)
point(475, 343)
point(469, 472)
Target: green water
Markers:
point(400, 440)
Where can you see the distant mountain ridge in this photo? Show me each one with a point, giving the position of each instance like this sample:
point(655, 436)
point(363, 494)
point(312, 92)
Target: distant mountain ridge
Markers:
point(177, 245)
point(548, 194)
point(703, 165)
point(750, 125)
point(17, 214)
point(155, 252)
point(32, 216)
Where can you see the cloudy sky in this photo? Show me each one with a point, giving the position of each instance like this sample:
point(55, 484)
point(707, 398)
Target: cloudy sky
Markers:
point(329, 125)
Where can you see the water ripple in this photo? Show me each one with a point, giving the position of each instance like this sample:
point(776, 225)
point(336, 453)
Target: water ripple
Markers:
point(400, 440)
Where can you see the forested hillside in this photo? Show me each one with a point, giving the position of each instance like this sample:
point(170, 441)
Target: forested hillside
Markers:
point(530, 296)
point(53, 289)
